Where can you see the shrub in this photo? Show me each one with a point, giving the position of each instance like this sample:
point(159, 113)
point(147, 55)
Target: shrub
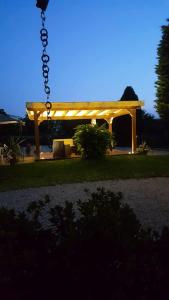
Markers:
point(92, 141)
point(93, 250)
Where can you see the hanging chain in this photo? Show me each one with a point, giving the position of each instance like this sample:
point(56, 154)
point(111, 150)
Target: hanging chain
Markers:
point(45, 60)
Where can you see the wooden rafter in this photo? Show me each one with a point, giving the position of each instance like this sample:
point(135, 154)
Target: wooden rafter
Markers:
point(82, 110)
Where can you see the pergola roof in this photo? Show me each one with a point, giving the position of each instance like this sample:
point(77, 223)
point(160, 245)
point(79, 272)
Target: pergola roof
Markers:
point(82, 110)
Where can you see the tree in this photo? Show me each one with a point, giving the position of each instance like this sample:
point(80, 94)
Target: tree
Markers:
point(162, 71)
point(129, 94)
point(122, 124)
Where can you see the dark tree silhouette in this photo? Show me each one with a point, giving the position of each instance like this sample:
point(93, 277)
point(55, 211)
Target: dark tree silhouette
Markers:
point(122, 125)
point(162, 71)
point(129, 94)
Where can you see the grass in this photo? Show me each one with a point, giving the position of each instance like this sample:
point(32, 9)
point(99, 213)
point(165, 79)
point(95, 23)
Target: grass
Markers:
point(46, 173)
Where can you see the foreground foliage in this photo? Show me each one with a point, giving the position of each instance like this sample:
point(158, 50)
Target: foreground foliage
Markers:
point(92, 250)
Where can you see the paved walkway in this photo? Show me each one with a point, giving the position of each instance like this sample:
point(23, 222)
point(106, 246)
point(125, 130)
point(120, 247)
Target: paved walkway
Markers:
point(148, 197)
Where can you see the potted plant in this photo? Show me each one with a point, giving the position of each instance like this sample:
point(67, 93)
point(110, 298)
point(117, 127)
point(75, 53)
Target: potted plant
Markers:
point(12, 150)
point(143, 149)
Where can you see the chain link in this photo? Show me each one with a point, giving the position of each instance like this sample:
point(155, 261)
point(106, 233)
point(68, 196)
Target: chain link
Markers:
point(45, 60)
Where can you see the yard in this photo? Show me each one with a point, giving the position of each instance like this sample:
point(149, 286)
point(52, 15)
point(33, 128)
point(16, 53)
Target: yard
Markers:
point(48, 173)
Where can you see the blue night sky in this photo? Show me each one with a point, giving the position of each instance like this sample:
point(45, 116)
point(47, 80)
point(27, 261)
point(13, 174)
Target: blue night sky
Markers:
point(97, 48)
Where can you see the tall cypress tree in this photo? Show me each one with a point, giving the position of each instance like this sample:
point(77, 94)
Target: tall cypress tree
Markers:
point(162, 71)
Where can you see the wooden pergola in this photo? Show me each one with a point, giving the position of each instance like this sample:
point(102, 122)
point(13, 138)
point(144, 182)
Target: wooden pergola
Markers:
point(83, 110)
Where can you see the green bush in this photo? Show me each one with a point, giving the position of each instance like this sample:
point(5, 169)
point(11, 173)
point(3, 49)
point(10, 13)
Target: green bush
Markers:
point(92, 141)
point(95, 249)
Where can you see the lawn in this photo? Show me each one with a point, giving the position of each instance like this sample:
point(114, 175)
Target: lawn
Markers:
point(45, 173)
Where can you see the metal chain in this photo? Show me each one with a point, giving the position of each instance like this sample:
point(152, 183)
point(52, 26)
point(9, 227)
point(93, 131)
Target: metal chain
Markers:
point(45, 60)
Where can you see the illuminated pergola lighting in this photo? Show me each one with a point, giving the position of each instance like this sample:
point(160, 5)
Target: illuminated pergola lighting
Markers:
point(31, 113)
point(44, 114)
point(107, 110)
point(84, 110)
point(82, 113)
point(117, 111)
point(93, 112)
point(104, 112)
point(71, 113)
point(59, 113)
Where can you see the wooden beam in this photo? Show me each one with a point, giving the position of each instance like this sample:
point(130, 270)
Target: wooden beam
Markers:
point(82, 110)
point(71, 118)
point(95, 105)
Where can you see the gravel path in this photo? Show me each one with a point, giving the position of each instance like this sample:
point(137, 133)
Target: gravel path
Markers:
point(148, 197)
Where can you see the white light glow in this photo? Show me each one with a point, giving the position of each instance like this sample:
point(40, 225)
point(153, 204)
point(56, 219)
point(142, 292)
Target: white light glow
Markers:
point(82, 113)
point(117, 111)
point(59, 113)
point(93, 112)
point(71, 113)
point(45, 114)
point(51, 113)
point(104, 112)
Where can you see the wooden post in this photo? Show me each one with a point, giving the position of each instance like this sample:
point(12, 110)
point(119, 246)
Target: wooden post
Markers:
point(110, 128)
point(93, 122)
point(133, 121)
point(37, 139)
point(110, 122)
